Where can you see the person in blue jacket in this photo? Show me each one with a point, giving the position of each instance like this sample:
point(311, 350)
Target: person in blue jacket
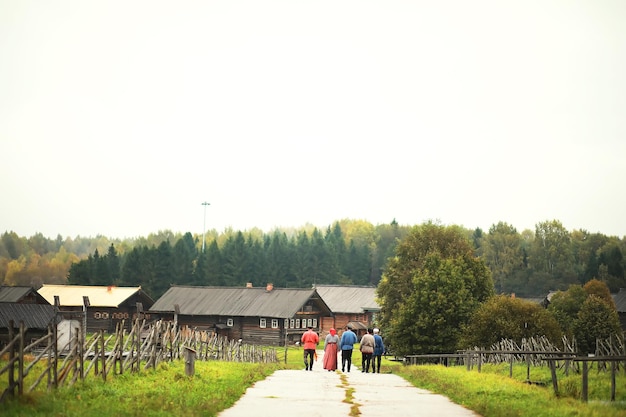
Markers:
point(379, 350)
point(348, 339)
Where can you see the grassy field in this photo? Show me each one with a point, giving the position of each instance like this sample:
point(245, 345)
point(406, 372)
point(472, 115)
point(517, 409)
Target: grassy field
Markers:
point(216, 386)
point(492, 393)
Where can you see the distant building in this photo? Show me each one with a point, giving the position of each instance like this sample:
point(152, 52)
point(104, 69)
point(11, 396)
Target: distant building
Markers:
point(108, 305)
point(351, 305)
point(257, 315)
point(20, 295)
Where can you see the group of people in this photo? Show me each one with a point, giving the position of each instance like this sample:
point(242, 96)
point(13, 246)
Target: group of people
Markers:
point(372, 348)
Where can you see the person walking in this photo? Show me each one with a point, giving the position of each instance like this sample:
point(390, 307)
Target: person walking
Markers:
point(348, 339)
point(330, 350)
point(379, 349)
point(367, 349)
point(309, 340)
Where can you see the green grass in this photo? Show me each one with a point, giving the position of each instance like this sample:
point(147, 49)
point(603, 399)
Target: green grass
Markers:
point(165, 391)
point(492, 393)
point(216, 386)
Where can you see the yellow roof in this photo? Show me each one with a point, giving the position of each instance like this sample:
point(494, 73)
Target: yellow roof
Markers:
point(99, 296)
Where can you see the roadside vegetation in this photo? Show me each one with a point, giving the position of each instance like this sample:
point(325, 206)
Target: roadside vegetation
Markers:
point(217, 385)
point(492, 393)
point(166, 391)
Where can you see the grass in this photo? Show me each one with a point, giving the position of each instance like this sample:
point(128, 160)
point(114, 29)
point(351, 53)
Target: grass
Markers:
point(165, 391)
point(492, 393)
point(216, 386)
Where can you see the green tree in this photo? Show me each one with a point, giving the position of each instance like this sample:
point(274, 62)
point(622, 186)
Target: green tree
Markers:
point(184, 255)
point(565, 305)
point(278, 259)
point(600, 290)
point(502, 252)
point(430, 289)
point(302, 265)
point(384, 246)
point(551, 254)
point(208, 269)
point(158, 268)
point(595, 320)
point(234, 256)
point(112, 264)
point(612, 257)
point(504, 317)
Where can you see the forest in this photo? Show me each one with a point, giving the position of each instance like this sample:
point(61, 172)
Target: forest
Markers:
point(529, 263)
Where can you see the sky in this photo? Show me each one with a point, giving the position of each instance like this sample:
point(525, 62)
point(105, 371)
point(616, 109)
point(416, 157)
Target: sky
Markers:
point(120, 118)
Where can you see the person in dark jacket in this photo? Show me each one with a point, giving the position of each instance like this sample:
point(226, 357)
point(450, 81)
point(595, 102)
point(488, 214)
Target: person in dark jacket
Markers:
point(379, 350)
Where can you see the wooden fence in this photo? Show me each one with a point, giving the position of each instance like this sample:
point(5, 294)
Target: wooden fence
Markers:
point(102, 355)
point(610, 356)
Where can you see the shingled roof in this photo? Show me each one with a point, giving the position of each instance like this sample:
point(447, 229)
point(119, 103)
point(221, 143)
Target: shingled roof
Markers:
point(34, 316)
point(236, 301)
point(620, 300)
point(350, 299)
point(9, 294)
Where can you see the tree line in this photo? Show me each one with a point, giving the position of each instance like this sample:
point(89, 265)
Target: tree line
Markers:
point(436, 296)
point(350, 252)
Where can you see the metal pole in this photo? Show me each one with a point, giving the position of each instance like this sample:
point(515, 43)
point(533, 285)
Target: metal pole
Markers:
point(204, 225)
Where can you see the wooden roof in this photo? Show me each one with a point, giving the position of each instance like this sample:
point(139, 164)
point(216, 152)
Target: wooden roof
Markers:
point(237, 301)
point(620, 300)
point(350, 299)
point(99, 296)
point(9, 294)
point(34, 316)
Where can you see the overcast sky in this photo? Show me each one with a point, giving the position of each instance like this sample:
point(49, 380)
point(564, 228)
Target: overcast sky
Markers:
point(121, 117)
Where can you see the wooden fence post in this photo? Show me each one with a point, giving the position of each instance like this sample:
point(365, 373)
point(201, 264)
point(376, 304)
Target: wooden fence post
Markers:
point(11, 370)
point(190, 358)
point(20, 363)
point(613, 366)
point(585, 389)
point(555, 384)
point(103, 356)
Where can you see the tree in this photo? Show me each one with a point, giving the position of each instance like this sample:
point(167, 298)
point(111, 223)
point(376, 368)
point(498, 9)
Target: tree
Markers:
point(504, 317)
point(595, 320)
point(183, 258)
point(565, 305)
point(278, 256)
point(430, 289)
point(551, 253)
point(600, 290)
point(234, 257)
point(208, 270)
point(302, 265)
point(502, 252)
point(610, 256)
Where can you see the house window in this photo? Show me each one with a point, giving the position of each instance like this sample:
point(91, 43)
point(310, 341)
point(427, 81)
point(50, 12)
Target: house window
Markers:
point(314, 322)
point(292, 323)
point(263, 323)
point(229, 322)
point(310, 323)
point(274, 323)
point(297, 323)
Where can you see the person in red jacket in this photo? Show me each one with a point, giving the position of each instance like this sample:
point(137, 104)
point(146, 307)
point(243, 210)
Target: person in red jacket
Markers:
point(309, 340)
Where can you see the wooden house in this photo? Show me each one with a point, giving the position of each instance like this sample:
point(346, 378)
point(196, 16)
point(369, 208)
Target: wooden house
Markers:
point(21, 295)
point(101, 307)
point(35, 317)
point(353, 306)
point(263, 315)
